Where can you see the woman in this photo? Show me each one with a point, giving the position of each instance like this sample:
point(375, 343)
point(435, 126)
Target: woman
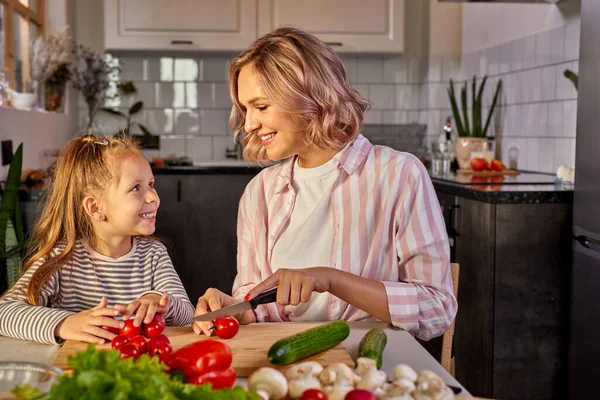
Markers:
point(344, 229)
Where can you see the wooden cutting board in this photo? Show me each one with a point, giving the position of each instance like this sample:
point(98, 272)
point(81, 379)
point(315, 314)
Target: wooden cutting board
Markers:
point(488, 173)
point(249, 346)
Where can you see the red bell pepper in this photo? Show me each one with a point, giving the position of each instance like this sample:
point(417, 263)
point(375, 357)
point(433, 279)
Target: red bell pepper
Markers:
point(204, 361)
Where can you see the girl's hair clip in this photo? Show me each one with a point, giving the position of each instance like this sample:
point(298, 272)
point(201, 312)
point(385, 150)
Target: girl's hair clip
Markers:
point(103, 142)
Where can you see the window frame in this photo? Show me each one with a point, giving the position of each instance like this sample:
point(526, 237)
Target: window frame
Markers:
point(37, 17)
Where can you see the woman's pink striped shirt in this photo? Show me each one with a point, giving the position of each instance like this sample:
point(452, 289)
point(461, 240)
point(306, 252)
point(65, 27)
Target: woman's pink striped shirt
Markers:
point(388, 226)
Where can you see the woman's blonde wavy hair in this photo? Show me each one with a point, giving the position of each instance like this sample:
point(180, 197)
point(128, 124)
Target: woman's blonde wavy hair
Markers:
point(83, 168)
point(304, 77)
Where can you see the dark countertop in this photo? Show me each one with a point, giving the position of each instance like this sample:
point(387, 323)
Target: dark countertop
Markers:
point(215, 167)
point(527, 188)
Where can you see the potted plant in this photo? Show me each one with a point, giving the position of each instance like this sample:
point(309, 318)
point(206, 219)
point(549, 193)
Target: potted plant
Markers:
point(12, 237)
point(471, 134)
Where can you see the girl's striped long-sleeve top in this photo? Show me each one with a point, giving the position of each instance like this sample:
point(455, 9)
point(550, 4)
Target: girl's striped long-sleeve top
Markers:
point(80, 284)
point(388, 227)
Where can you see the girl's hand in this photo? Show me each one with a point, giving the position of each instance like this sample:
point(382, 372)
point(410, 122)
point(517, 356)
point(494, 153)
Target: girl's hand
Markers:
point(144, 308)
point(295, 286)
point(85, 326)
point(214, 299)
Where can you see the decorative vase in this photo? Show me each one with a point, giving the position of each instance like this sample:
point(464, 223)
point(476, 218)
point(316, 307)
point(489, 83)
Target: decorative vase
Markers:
point(465, 146)
point(53, 95)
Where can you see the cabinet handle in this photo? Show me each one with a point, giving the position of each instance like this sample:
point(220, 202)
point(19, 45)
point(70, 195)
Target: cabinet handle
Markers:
point(181, 42)
point(178, 191)
point(454, 219)
point(334, 44)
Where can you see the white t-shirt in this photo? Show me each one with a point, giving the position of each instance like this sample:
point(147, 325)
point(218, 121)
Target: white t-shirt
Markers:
point(307, 239)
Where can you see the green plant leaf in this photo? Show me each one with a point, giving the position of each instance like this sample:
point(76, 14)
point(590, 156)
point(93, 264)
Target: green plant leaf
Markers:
point(10, 196)
point(136, 108)
point(573, 77)
point(151, 140)
point(480, 106)
point(454, 105)
point(489, 118)
point(463, 101)
point(113, 112)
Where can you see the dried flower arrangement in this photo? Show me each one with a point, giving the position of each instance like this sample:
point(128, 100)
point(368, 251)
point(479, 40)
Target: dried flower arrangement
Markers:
point(49, 54)
point(92, 74)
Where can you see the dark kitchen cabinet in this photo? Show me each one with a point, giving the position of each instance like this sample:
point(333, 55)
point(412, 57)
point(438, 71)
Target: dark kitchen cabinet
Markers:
point(515, 260)
point(197, 222)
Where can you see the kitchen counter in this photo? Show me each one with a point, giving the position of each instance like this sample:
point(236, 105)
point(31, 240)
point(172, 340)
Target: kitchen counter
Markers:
point(401, 348)
point(211, 167)
point(526, 188)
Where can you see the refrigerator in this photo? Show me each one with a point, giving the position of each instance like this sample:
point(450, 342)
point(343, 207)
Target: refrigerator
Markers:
point(584, 327)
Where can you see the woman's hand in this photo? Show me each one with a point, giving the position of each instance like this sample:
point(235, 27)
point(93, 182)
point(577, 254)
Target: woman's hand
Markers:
point(85, 326)
point(295, 286)
point(144, 308)
point(214, 299)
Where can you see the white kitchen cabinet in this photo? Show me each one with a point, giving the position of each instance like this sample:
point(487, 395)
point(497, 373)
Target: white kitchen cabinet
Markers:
point(179, 24)
point(374, 26)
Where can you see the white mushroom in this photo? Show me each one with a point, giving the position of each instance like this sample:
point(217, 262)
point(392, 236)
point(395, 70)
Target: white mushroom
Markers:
point(302, 377)
point(338, 379)
point(365, 365)
point(400, 387)
point(268, 383)
point(371, 378)
point(404, 371)
point(431, 387)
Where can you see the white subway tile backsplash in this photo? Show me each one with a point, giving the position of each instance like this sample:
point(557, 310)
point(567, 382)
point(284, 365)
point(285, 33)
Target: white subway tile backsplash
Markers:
point(186, 69)
point(529, 51)
point(199, 148)
point(205, 95)
point(505, 57)
point(160, 122)
point(178, 95)
point(363, 90)
point(220, 145)
point(403, 96)
point(555, 119)
point(414, 70)
point(557, 44)
point(564, 88)
point(146, 92)
point(191, 94)
point(493, 56)
point(349, 61)
point(395, 69)
point(381, 96)
point(434, 71)
point(214, 69)
point(215, 122)
point(187, 122)
point(159, 69)
point(370, 70)
point(533, 155)
point(572, 35)
point(222, 98)
point(450, 67)
point(394, 117)
point(548, 84)
point(562, 153)
point(547, 155)
point(569, 117)
point(132, 68)
point(166, 95)
point(571, 158)
point(517, 57)
point(373, 117)
point(172, 146)
point(542, 48)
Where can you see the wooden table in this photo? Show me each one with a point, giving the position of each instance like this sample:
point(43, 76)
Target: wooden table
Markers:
point(401, 348)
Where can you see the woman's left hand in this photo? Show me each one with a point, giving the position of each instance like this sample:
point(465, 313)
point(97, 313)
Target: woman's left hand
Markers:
point(295, 286)
point(144, 308)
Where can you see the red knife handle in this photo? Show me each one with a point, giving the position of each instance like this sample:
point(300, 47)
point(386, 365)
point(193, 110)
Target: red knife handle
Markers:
point(269, 296)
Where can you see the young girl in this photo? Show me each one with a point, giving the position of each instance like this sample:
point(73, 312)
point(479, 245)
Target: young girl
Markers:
point(91, 247)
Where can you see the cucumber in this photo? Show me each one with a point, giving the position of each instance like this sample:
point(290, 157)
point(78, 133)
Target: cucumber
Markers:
point(304, 344)
point(372, 345)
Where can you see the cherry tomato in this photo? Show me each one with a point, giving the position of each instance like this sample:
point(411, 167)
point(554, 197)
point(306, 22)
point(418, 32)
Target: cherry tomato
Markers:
point(111, 329)
point(360, 394)
point(129, 350)
point(163, 350)
point(313, 394)
point(226, 327)
point(140, 342)
point(496, 165)
point(155, 341)
point(130, 330)
point(479, 164)
point(155, 327)
point(119, 341)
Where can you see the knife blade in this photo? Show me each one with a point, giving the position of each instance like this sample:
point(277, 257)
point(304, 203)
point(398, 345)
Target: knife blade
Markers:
point(269, 296)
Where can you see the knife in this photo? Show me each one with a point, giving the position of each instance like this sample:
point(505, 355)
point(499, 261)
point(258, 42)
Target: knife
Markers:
point(263, 298)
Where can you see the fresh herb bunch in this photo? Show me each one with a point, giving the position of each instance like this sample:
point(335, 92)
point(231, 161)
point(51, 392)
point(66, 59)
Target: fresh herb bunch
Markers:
point(100, 375)
point(92, 73)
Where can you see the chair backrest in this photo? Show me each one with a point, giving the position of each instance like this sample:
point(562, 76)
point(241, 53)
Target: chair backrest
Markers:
point(447, 360)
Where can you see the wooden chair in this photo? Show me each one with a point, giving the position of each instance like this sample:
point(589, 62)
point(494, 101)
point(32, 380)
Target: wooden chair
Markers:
point(447, 358)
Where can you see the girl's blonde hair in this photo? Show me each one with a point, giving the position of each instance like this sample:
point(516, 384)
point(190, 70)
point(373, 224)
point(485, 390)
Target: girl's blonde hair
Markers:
point(302, 76)
point(83, 168)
